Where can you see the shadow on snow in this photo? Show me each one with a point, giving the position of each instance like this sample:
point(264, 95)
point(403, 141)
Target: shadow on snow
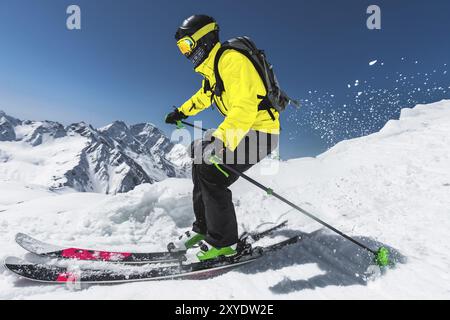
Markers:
point(342, 262)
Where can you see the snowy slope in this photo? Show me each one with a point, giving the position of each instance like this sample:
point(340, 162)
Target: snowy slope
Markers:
point(109, 160)
point(390, 188)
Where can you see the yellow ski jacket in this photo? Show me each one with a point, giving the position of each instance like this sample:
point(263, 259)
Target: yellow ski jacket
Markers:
point(238, 102)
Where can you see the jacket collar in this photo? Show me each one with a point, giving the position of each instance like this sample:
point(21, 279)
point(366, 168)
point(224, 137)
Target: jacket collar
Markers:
point(206, 68)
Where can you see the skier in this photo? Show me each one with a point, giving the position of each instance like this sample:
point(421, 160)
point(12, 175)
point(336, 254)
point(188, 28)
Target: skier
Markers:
point(248, 134)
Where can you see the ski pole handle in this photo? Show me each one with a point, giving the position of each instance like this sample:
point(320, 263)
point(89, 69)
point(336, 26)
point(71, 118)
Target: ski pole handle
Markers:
point(191, 125)
point(179, 125)
point(215, 160)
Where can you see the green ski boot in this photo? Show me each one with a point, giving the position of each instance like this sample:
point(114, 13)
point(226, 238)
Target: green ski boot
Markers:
point(186, 241)
point(208, 252)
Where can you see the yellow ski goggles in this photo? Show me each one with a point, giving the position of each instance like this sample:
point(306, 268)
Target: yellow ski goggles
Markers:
point(187, 44)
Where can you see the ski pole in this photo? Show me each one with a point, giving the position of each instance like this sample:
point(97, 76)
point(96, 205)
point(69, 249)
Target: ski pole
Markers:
point(180, 125)
point(381, 255)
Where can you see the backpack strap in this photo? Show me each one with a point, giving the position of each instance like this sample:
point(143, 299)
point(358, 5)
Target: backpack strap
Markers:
point(265, 104)
point(219, 88)
point(219, 82)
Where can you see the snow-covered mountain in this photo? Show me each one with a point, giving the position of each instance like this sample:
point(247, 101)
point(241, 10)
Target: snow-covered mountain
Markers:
point(112, 159)
point(391, 188)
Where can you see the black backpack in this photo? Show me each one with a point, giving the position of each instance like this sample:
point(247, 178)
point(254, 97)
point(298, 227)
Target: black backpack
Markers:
point(276, 98)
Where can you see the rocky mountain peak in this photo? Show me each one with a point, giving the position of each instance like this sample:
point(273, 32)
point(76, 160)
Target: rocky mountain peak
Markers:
point(112, 159)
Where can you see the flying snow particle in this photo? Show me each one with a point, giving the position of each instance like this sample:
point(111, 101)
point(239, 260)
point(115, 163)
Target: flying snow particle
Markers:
point(371, 63)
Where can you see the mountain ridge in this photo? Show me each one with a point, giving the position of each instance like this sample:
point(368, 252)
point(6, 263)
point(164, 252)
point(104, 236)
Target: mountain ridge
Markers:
point(112, 159)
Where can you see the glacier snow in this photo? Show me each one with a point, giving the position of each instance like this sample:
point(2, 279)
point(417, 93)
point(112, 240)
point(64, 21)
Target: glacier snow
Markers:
point(109, 160)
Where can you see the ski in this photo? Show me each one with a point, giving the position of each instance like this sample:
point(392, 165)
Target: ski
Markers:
point(56, 252)
point(198, 270)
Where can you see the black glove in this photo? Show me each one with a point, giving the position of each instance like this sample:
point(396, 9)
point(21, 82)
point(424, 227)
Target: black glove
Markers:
point(202, 150)
point(213, 149)
point(196, 148)
point(175, 116)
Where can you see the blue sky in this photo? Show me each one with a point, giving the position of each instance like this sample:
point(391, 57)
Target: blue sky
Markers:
point(124, 65)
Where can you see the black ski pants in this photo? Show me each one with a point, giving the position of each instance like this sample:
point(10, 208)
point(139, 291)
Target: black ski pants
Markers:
point(212, 198)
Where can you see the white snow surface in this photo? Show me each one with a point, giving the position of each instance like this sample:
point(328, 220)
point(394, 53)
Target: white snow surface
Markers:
point(391, 188)
point(44, 164)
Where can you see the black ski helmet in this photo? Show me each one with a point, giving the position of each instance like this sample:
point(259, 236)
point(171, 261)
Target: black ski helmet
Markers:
point(206, 43)
point(192, 24)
